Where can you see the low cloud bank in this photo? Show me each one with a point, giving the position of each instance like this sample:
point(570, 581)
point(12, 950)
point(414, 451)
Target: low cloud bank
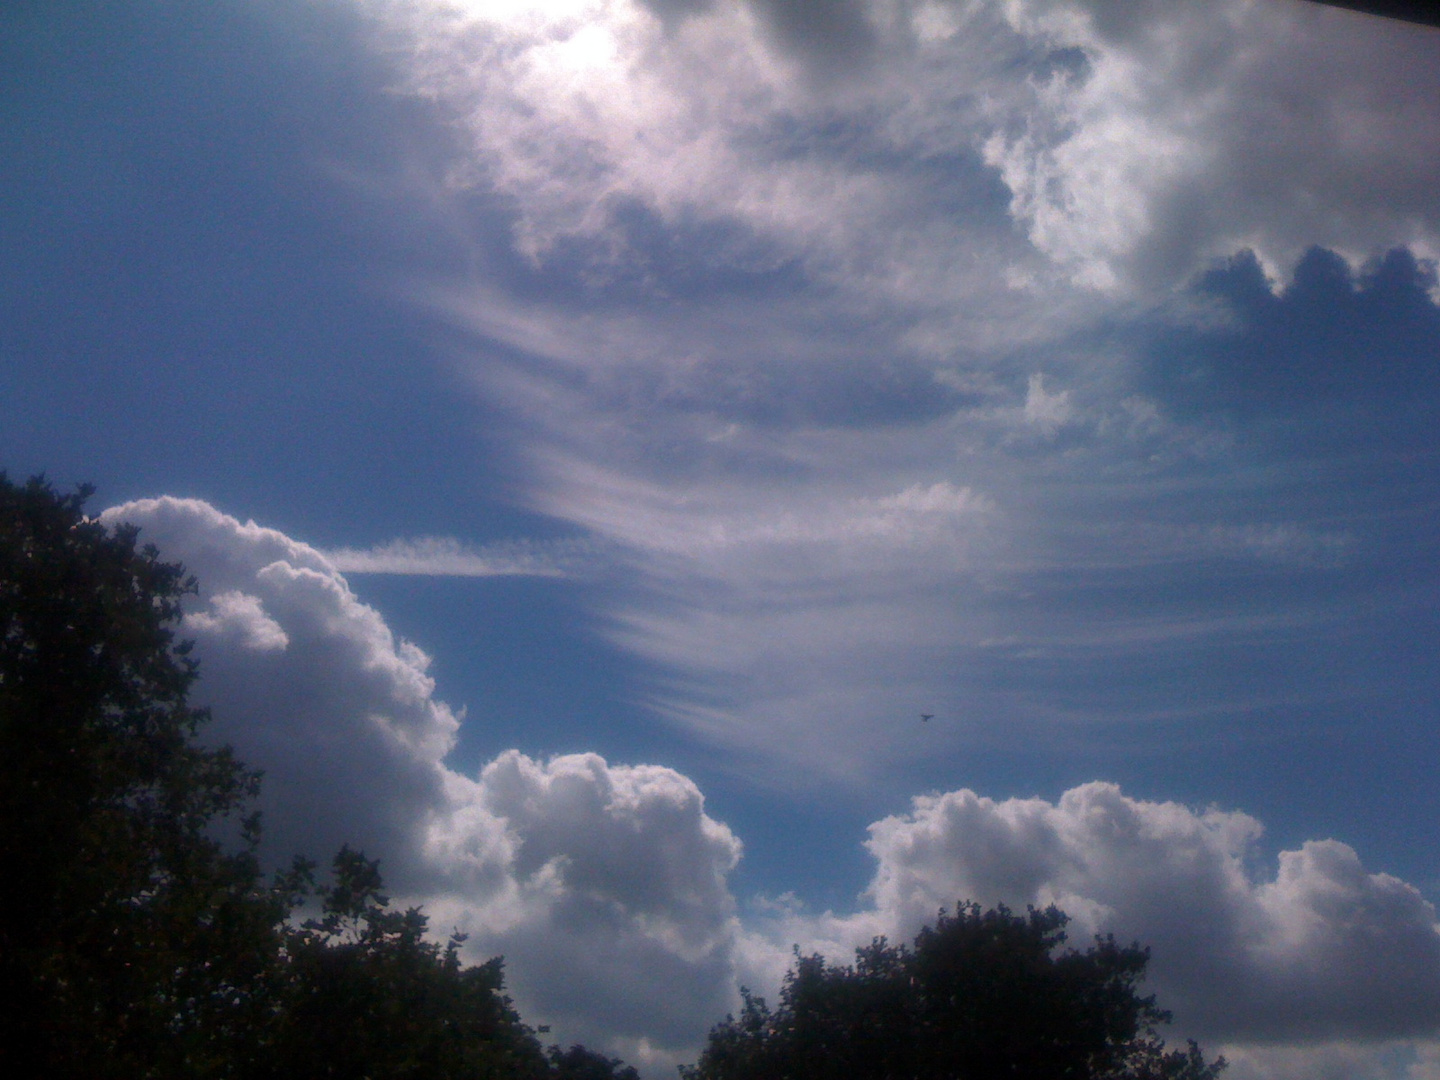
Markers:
point(1316, 967)
point(606, 886)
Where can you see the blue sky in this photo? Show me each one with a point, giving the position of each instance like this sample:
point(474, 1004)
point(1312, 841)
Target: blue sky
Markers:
point(709, 389)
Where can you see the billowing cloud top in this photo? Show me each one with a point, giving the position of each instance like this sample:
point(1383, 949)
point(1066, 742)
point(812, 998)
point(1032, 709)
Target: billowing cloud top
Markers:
point(601, 883)
point(1323, 950)
point(606, 886)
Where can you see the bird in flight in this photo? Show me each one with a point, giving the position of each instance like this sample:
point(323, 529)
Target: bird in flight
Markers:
point(927, 716)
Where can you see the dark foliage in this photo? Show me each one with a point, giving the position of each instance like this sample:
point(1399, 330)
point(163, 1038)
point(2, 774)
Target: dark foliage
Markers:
point(361, 992)
point(982, 994)
point(131, 943)
point(578, 1063)
point(134, 944)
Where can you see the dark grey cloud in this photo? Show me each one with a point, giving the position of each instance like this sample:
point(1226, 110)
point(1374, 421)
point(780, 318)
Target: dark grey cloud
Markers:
point(833, 38)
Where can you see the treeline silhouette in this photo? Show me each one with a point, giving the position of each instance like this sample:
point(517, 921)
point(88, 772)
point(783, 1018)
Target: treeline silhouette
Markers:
point(135, 944)
point(981, 995)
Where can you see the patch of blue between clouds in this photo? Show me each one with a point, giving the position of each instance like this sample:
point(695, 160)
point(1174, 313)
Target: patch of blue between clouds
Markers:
point(1326, 394)
point(191, 302)
point(1283, 660)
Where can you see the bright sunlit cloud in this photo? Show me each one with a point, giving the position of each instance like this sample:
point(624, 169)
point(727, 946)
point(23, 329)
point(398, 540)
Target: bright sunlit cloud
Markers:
point(1064, 371)
point(607, 886)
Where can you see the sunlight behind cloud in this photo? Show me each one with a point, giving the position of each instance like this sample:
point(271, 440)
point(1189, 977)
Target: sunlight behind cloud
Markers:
point(1133, 150)
point(1032, 404)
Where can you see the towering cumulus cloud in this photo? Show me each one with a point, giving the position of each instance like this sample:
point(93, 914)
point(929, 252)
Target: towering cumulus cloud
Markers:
point(605, 886)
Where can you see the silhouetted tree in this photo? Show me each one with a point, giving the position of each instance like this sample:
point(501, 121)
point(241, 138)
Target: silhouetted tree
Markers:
point(361, 992)
point(131, 942)
point(980, 995)
point(578, 1063)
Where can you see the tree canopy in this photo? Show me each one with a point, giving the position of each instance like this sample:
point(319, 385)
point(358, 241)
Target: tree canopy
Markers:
point(361, 991)
point(125, 927)
point(133, 941)
point(980, 995)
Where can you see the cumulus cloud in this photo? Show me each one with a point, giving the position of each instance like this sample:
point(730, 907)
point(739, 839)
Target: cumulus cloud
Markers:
point(618, 911)
point(603, 885)
point(332, 704)
point(1185, 133)
point(242, 618)
point(606, 886)
point(1316, 951)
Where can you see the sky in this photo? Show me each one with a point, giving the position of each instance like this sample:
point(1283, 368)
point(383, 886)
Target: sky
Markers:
point(602, 429)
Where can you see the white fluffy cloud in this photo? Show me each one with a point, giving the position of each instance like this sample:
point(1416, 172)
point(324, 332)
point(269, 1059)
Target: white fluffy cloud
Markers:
point(604, 885)
point(1181, 132)
point(1318, 959)
point(1322, 948)
point(616, 913)
point(311, 684)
